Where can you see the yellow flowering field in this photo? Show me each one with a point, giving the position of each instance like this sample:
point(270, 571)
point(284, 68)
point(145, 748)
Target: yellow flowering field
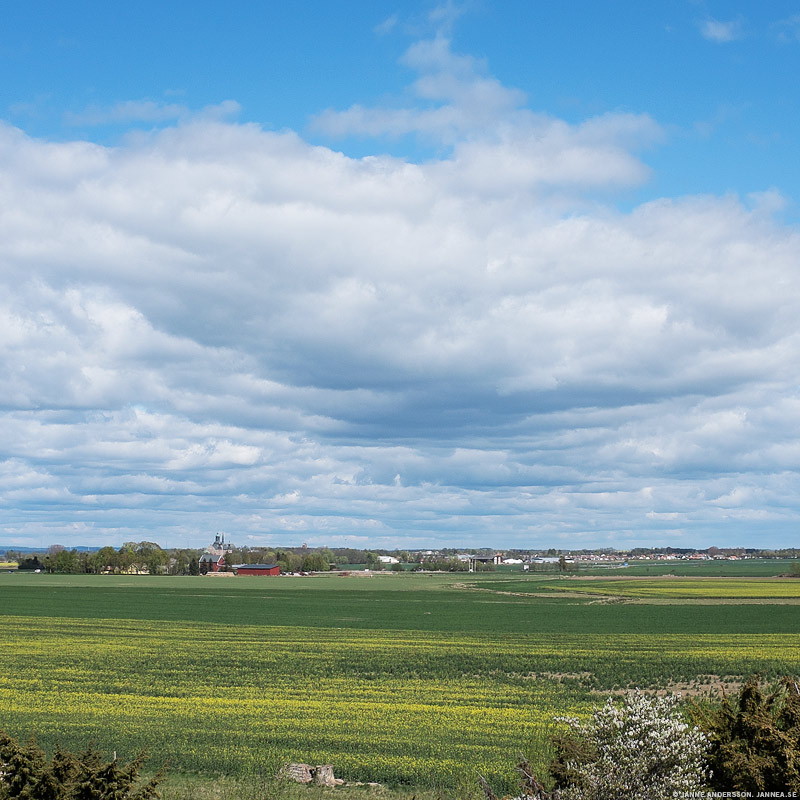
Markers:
point(412, 707)
point(211, 699)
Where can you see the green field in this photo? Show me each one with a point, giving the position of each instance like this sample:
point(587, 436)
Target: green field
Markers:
point(664, 587)
point(735, 588)
point(745, 568)
point(400, 678)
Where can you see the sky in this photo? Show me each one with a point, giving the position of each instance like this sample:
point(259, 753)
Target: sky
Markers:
point(400, 274)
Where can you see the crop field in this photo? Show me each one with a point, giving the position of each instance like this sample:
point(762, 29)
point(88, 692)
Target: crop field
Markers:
point(745, 568)
point(690, 587)
point(666, 586)
point(402, 679)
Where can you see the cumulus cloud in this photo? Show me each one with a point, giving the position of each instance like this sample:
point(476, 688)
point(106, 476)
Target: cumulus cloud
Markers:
point(217, 327)
point(494, 141)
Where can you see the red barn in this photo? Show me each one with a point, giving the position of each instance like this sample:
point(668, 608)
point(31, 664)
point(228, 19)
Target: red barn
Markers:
point(209, 562)
point(257, 569)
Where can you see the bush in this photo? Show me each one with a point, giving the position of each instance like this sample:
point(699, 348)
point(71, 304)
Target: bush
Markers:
point(25, 773)
point(640, 748)
point(755, 739)
point(643, 748)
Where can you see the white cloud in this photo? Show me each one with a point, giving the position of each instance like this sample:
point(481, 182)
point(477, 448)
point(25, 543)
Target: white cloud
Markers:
point(388, 25)
point(496, 143)
point(214, 327)
point(445, 15)
point(721, 32)
point(465, 99)
point(550, 153)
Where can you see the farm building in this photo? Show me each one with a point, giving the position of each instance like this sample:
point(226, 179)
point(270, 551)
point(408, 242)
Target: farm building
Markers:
point(497, 558)
point(256, 569)
point(209, 562)
point(213, 559)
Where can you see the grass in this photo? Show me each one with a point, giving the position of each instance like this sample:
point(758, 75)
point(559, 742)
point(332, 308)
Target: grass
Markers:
point(188, 787)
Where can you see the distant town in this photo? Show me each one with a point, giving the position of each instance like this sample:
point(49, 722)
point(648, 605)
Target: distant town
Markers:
point(225, 557)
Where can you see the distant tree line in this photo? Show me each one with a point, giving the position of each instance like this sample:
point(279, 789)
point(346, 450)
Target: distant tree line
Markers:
point(150, 557)
point(132, 556)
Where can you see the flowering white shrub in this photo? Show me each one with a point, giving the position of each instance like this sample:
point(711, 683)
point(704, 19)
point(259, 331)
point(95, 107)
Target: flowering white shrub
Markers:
point(639, 749)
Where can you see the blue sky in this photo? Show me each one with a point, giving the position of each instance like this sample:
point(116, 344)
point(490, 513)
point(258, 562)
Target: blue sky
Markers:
point(719, 77)
point(400, 274)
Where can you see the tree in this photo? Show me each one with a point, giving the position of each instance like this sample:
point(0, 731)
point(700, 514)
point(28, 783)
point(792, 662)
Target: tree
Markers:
point(373, 561)
point(315, 562)
point(755, 739)
point(126, 556)
point(266, 556)
point(288, 561)
point(30, 563)
point(640, 748)
point(62, 561)
point(149, 555)
point(28, 775)
point(445, 565)
point(106, 558)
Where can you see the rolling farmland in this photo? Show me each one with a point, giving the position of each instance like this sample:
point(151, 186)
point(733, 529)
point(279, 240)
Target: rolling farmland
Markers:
point(411, 679)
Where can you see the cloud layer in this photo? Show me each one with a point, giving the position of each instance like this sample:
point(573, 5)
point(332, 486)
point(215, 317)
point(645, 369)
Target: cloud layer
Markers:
point(217, 327)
